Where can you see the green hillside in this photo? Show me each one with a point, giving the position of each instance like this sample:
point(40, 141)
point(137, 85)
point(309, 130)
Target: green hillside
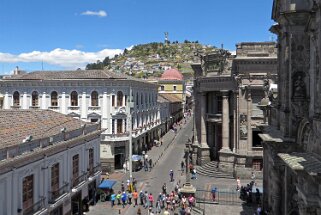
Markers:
point(152, 59)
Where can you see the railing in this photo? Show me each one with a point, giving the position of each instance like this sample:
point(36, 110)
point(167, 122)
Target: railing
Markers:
point(16, 107)
point(79, 179)
point(92, 171)
point(53, 107)
point(73, 107)
point(35, 207)
point(34, 107)
point(54, 195)
point(125, 134)
point(93, 108)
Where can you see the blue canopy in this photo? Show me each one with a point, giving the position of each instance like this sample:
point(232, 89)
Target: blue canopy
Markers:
point(107, 184)
point(136, 157)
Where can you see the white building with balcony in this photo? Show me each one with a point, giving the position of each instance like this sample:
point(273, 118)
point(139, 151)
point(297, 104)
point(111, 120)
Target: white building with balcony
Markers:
point(95, 96)
point(49, 163)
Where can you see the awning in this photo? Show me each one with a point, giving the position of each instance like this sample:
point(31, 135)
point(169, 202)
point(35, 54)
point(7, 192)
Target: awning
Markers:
point(300, 161)
point(107, 184)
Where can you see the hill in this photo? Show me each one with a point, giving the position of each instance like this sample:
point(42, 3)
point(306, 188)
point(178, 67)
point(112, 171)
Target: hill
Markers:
point(152, 59)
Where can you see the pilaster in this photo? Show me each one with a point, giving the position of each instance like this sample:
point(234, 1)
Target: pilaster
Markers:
point(6, 102)
point(249, 121)
point(84, 107)
point(44, 101)
point(104, 109)
point(63, 103)
point(25, 103)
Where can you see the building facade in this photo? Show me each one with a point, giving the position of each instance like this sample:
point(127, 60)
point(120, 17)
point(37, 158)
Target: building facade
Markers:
point(292, 152)
point(228, 93)
point(49, 163)
point(95, 96)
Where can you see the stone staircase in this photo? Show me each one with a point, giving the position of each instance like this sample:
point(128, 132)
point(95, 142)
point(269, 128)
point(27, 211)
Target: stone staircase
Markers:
point(210, 169)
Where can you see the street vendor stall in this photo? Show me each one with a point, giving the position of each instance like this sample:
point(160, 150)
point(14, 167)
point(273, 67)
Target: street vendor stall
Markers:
point(105, 189)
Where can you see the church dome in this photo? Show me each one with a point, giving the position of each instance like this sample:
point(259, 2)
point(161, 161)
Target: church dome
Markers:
point(172, 74)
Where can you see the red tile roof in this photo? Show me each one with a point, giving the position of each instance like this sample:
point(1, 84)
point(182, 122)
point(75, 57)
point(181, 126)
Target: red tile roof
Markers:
point(172, 74)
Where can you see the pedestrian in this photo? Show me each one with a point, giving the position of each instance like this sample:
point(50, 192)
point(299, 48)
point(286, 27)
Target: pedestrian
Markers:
point(258, 196)
point(194, 174)
point(164, 188)
point(146, 165)
point(124, 199)
point(253, 178)
point(122, 186)
point(191, 200)
point(141, 197)
point(150, 211)
point(146, 199)
point(214, 190)
point(259, 210)
point(118, 197)
point(159, 203)
point(135, 196)
point(171, 175)
point(150, 164)
point(238, 184)
point(113, 198)
point(151, 200)
point(130, 196)
point(182, 166)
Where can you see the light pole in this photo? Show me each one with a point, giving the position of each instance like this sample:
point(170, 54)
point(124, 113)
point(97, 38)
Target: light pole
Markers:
point(130, 104)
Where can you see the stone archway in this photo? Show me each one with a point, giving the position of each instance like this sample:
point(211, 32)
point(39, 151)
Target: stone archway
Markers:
point(304, 134)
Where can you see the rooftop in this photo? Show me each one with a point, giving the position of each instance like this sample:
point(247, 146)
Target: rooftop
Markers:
point(170, 97)
point(172, 74)
point(17, 125)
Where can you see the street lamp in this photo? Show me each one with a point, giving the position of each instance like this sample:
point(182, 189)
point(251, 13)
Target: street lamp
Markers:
point(188, 188)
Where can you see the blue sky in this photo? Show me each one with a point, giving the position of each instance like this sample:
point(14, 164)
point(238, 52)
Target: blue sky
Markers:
point(67, 34)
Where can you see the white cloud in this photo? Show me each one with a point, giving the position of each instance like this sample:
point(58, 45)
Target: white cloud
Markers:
point(60, 57)
point(100, 13)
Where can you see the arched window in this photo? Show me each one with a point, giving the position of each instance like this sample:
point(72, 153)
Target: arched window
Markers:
point(74, 98)
point(54, 98)
point(34, 99)
point(94, 98)
point(119, 98)
point(16, 98)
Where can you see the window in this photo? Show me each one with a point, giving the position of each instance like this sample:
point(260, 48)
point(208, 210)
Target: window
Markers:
point(55, 180)
point(16, 98)
point(174, 87)
point(137, 99)
point(94, 120)
point(75, 170)
point(91, 161)
point(34, 98)
point(113, 126)
point(27, 195)
point(162, 88)
point(119, 98)
point(125, 100)
point(119, 126)
point(54, 98)
point(94, 98)
point(74, 98)
point(257, 164)
point(113, 100)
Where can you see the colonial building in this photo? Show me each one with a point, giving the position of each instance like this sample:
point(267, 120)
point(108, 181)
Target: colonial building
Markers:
point(292, 151)
point(96, 96)
point(49, 163)
point(228, 93)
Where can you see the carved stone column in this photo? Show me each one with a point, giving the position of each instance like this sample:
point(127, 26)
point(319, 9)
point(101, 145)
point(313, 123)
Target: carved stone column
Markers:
point(203, 153)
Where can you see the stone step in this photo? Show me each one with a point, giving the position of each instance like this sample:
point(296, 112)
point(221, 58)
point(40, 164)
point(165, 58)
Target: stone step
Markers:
point(210, 169)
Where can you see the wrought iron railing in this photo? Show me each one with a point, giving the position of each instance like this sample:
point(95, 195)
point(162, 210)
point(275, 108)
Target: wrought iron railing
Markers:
point(77, 180)
point(55, 194)
point(32, 209)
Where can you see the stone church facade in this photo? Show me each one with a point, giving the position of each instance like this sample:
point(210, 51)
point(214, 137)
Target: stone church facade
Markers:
point(229, 93)
point(292, 151)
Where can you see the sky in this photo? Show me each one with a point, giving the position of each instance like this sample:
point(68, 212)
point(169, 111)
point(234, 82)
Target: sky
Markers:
point(68, 34)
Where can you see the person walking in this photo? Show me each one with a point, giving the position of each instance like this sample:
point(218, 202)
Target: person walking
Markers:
point(238, 184)
point(135, 197)
point(118, 197)
point(214, 190)
point(253, 177)
point(150, 164)
point(159, 203)
point(124, 199)
point(146, 199)
point(141, 197)
point(182, 166)
point(164, 188)
point(151, 200)
point(113, 198)
point(130, 196)
point(171, 175)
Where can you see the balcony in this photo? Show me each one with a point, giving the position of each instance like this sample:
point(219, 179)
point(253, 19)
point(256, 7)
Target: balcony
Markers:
point(15, 107)
point(216, 118)
point(53, 196)
point(53, 107)
point(34, 107)
point(38, 206)
point(77, 180)
point(73, 108)
point(94, 108)
point(93, 171)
